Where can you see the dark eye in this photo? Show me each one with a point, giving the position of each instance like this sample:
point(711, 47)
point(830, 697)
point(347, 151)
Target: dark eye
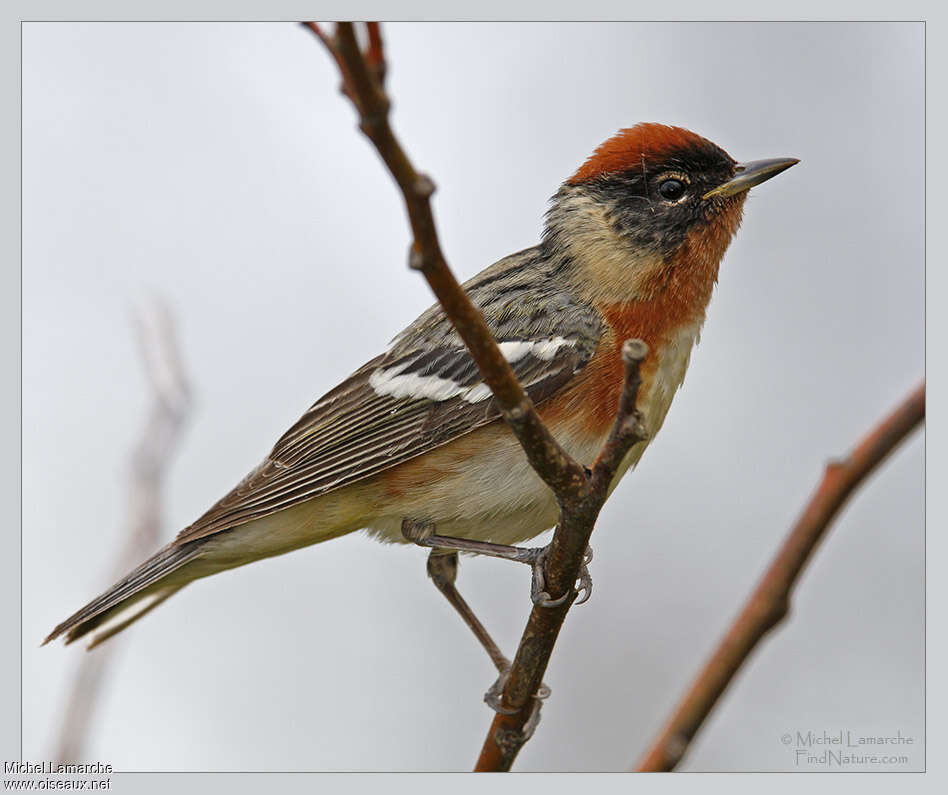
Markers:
point(672, 189)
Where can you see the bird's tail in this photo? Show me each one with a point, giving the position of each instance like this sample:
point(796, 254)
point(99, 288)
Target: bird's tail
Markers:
point(129, 599)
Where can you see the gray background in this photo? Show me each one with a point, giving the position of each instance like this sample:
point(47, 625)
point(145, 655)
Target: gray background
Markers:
point(217, 165)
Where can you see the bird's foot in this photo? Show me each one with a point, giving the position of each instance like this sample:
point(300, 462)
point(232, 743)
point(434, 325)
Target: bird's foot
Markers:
point(493, 700)
point(538, 591)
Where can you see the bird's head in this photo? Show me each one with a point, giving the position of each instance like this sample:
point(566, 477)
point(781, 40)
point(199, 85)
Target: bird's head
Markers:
point(651, 200)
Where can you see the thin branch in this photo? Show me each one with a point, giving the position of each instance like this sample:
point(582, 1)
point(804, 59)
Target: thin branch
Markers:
point(327, 42)
point(375, 55)
point(770, 600)
point(628, 423)
point(577, 520)
point(149, 462)
point(580, 495)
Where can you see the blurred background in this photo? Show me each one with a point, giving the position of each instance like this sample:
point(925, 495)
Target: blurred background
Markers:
point(216, 165)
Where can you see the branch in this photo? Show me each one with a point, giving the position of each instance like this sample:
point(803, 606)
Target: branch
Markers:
point(770, 600)
point(580, 495)
point(509, 732)
point(149, 461)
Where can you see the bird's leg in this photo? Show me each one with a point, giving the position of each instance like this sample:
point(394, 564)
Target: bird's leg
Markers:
point(422, 533)
point(443, 570)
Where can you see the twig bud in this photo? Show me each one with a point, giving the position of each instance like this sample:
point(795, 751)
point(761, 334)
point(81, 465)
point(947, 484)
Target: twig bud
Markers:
point(634, 351)
point(416, 260)
point(516, 413)
point(424, 186)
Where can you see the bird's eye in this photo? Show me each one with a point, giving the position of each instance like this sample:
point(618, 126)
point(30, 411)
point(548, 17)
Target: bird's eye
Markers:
point(672, 189)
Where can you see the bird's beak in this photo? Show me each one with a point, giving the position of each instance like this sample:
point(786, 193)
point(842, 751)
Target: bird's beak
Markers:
point(747, 175)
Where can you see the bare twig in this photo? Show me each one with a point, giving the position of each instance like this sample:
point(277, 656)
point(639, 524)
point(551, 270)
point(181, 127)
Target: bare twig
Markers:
point(769, 602)
point(375, 55)
point(580, 495)
point(149, 461)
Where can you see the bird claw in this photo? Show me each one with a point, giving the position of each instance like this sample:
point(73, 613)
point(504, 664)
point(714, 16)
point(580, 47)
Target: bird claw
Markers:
point(539, 595)
point(493, 699)
point(493, 695)
point(510, 739)
point(585, 579)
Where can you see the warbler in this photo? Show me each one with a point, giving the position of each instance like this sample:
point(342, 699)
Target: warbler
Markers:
point(631, 248)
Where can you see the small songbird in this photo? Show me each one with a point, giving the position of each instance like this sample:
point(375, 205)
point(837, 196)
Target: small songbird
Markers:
point(631, 249)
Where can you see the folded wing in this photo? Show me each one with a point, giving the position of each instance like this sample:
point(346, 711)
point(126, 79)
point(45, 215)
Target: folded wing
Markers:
point(425, 392)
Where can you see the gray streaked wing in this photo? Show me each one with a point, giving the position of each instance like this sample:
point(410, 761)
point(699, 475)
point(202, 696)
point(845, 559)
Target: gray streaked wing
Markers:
point(425, 392)
point(354, 433)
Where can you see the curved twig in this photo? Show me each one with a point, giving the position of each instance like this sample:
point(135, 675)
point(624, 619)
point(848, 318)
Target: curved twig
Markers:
point(769, 602)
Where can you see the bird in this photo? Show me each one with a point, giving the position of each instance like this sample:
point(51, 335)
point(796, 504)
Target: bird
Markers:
point(631, 249)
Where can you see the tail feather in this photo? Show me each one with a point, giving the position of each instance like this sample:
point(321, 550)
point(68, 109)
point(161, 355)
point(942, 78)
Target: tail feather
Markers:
point(113, 621)
point(128, 592)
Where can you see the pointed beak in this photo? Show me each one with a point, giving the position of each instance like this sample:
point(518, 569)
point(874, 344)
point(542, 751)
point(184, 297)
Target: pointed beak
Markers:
point(747, 175)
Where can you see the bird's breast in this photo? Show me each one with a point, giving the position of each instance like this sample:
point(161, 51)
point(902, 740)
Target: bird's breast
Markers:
point(670, 326)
